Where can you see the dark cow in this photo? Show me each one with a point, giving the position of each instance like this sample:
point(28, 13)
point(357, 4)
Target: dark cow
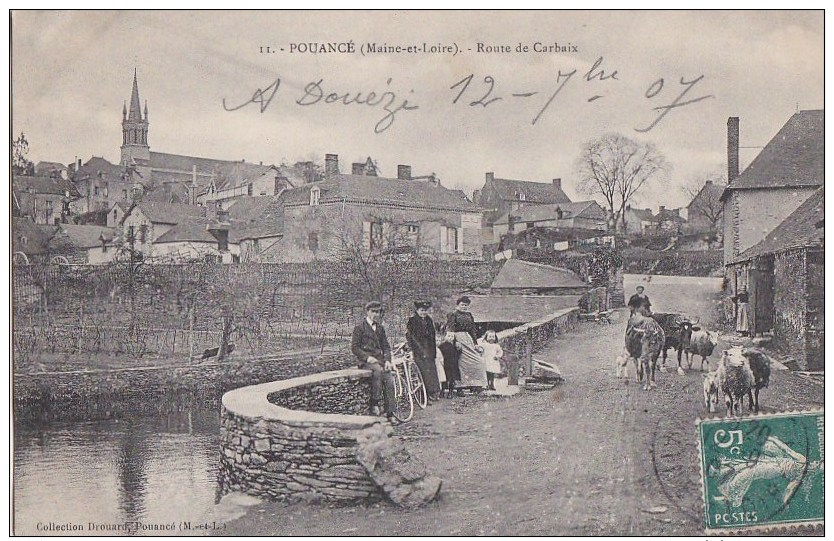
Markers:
point(759, 364)
point(678, 331)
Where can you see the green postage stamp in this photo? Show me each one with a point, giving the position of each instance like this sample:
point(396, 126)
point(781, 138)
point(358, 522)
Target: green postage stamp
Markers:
point(762, 472)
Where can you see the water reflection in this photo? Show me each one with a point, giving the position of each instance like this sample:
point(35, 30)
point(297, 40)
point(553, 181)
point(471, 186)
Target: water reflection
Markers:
point(159, 469)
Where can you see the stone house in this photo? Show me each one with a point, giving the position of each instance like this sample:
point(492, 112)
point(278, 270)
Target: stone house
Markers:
point(197, 238)
point(45, 200)
point(542, 241)
point(784, 275)
point(705, 213)
point(101, 185)
point(84, 244)
point(584, 215)
point(784, 174)
point(30, 242)
point(150, 220)
point(350, 214)
point(666, 222)
point(637, 220)
point(257, 228)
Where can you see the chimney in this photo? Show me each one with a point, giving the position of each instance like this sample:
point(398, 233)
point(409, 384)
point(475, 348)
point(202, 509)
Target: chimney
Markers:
point(732, 148)
point(490, 176)
point(557, 183)
point(358, 169)
point(404, 172)
point(78, 164)
point(709, 183)
point(281, 183)
point(331, 165)
point(476, 196)
point(662, 208)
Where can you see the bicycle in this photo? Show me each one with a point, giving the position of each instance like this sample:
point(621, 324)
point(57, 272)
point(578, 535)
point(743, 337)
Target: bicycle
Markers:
point(409, 388)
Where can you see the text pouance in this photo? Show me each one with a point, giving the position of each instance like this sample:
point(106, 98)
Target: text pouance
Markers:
point(482, 92)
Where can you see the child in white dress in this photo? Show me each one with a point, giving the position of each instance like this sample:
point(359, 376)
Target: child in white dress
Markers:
point(492, 354)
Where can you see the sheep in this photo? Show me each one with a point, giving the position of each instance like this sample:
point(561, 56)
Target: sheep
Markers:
point(711, 390)
point(677, 330)
point(759, 364)
point(644, 341)
point(702, 342)
point(735, 379)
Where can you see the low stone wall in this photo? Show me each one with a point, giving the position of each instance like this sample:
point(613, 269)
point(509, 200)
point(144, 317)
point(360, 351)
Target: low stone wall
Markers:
point(311, 439)
point(523, 340)
point(104, 394)
point(273, 449)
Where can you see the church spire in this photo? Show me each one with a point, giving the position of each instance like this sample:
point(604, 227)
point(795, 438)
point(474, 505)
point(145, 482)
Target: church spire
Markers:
point(135, 108)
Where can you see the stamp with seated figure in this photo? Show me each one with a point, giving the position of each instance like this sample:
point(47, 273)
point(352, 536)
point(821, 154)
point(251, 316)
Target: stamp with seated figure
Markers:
point(763, 472)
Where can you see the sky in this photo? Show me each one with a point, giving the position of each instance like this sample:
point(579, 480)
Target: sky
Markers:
point(73, 71)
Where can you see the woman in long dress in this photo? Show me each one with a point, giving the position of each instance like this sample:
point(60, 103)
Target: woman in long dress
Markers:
point(421, 339)
point(743, 319)
point(461, 325)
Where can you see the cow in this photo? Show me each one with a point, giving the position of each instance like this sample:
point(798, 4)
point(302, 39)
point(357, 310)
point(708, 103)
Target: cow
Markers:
point(759, 364)
point(677, 329)
point(644, 341)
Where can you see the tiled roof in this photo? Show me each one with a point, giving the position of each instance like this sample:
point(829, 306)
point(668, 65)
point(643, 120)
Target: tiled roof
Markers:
point(39, 184)
point(247, 208)
point(95, 165)
point(85, 236)
point(45, 168)
point(188, 230)
point(797, 230)
point(642, 214)
point(534, 192)
point(518, 308)
point(538, 213)
point(267, 221)
point(381, 190)
point(169, 213)
point(29, 238)
point(794, 157)
point(708, 192)
point(179, 162)
point(523, 274)
point(668, 215)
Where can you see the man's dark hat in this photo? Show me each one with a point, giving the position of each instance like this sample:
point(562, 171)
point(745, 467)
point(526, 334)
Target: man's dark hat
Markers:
point(464, 300)
point(373, 305)
point(422, 304)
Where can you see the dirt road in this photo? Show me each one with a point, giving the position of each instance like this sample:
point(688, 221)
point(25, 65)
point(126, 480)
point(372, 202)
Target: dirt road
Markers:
point(592, 456)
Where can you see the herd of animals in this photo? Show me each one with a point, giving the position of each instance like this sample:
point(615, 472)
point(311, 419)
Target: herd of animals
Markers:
point(741, 371)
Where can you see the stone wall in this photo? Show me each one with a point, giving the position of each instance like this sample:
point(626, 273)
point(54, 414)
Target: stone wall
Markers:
point(523, 340)
point(104, 394)
point(790, 305)
point(311, 439)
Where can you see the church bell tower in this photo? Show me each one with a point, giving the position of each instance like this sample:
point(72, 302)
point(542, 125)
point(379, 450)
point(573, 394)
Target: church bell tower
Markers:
point(135, 149)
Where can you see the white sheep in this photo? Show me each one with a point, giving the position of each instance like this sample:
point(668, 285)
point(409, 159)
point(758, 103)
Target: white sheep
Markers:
point(701, 343)
point(735, 379)
point(712, 389)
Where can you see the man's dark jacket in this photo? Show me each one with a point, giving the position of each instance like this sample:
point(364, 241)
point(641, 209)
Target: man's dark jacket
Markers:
point(366, 342)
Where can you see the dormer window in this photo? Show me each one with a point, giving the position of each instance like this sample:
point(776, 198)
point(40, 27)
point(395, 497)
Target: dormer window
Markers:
point(315, 195)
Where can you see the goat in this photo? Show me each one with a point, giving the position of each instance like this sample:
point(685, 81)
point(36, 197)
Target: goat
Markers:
point(759, 364)
point(701, 342)
point(735, 379)
point(677, 330)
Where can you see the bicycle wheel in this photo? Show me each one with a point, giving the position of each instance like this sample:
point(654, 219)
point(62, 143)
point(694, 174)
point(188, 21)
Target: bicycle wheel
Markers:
point(418, 387)
point(404, 402)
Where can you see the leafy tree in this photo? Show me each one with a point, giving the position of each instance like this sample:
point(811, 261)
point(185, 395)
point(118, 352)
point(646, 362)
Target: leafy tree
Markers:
point(616, 168)
point(20, 164)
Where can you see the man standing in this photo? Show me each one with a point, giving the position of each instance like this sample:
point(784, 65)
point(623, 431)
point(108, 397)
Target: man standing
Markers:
point(640, 300)
point(421, 339)
point(370, 346)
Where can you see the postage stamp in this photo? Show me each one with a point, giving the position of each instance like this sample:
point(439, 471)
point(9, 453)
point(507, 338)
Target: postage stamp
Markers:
point(763, 472)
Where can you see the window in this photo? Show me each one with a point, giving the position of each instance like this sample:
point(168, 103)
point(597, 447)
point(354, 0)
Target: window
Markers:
point(376, 236)
point(105, 190)
point(143, 233)
point(124, 194)
point(250, 189)
point(49, 212)
point(313, 241)
point(448, 240)
point(315, 194)
point(412, 229)
point(95, 190)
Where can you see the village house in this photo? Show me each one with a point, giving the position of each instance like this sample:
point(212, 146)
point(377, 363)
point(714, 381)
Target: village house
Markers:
point(783, 175)
point(257, 228)
point(84, 244)
point(102, 184)
point(784, 276)
point(30, 243)
point(665, 222)
point(705, 212)
point(542, 241)
point(350, 213)
point(147, 221)
point(44, 199)
point(581, 215)
point(637, 220)
point(46, 169)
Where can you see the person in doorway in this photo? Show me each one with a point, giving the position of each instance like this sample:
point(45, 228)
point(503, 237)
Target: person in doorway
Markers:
point(420, 335)
point(743, 317)
point(371, 349)
point(639, 300)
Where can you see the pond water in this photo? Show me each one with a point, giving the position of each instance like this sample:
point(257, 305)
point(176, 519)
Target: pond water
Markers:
point(158, 470)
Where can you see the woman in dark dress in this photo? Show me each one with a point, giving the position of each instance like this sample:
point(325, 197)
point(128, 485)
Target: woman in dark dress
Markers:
point(421, 339)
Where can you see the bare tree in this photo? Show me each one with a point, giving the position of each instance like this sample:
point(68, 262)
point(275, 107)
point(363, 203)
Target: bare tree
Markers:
point(616, 168)
point(706, 200)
